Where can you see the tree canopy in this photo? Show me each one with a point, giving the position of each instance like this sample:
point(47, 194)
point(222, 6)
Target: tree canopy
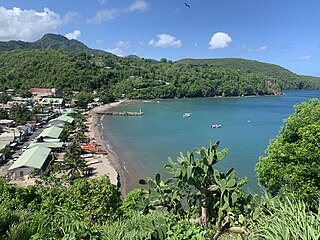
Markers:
point(57, 62)
point(292, 163)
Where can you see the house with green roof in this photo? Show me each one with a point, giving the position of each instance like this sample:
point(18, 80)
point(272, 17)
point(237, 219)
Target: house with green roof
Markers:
point(56, 122)
point(50, 133)
point(54, 102)
point(32, 160)
point(66, 118)
point(51, 145)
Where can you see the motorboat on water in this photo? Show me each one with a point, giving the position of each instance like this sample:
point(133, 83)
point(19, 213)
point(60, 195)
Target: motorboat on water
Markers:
point(216, 125)
point(186, 114)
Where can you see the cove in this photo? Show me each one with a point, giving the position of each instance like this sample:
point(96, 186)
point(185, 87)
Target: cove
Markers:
point(144, 143)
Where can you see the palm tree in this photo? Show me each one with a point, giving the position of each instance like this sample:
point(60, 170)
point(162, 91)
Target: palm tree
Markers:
point(73, 162)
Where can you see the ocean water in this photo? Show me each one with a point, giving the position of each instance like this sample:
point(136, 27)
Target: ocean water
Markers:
point(143, 144)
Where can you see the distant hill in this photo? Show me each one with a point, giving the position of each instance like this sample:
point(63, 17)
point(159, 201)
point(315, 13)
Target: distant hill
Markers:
point(51, 41)
point(55, 61)
point(286, 78)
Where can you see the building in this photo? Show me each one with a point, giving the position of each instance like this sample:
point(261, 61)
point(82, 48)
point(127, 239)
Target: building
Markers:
point(51, 145)
point(56, 122)
point(66, 118)
point(32, 160)
point(50, 134)
point(9, 137)
point(39, 93)
point(52, 102)
point(7, 123)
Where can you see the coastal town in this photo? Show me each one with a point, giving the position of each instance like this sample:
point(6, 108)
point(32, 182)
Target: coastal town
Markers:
point(33, 148)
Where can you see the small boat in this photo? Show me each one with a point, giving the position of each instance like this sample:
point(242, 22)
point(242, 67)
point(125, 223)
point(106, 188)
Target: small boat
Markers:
point(186, 114)
point(216, 126)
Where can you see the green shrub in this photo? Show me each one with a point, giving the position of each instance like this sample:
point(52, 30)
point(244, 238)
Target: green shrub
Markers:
point(286, 219)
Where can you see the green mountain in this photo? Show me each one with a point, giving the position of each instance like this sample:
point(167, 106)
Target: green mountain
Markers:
point(55, 61)
point(51, 41)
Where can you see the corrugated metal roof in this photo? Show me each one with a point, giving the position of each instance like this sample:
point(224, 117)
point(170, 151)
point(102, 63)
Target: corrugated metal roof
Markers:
point(46, 144)
point(56, 122)
point(33, 157)
point(51, 101)
point(51, 132)
point(66, 118)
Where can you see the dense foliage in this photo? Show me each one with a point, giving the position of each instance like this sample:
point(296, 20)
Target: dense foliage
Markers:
point(198, 202)
point(292, 163)
point(55, 61)
point(52, 210)
point(286, 218)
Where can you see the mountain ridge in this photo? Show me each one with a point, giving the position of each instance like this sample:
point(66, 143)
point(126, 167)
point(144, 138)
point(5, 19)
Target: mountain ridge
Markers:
point(51, 41)
point(56, 61)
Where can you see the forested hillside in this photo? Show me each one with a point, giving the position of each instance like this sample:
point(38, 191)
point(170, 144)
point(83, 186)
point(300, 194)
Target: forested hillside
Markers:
point(286, 79)
point(55, 61)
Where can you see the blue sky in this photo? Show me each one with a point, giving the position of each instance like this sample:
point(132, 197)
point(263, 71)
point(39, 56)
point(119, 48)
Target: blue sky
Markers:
point(281, 32)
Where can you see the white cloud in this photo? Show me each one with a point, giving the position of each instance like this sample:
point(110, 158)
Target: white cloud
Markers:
point(262, 48)
point(120, 47)
point(104, 15)
point(18, 24)
point(165, 41)
point(117, 51)
point(102, 1)
point(123, 44)
point(305, 58)
point(138, 5)
point(99, 41)
point(110, 14)
point(73, 35)
point(69, 17)
point(220, 40)
point(258, 49)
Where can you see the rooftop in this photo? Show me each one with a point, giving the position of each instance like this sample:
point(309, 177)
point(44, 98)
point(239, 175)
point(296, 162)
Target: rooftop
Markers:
point(51, 132)
point(33, 157)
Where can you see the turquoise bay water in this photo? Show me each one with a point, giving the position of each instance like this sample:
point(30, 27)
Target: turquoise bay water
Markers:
point(144, 143)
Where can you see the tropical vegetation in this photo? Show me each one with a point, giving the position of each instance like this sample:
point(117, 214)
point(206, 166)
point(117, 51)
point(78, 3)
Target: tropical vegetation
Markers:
point(292, 163)
point(57, 62)
point(196, 201)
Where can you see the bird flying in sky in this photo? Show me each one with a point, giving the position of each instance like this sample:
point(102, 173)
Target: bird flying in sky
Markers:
point(187, 5)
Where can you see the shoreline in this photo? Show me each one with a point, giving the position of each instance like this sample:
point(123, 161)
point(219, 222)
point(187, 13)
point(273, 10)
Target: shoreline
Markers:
point(112, 166)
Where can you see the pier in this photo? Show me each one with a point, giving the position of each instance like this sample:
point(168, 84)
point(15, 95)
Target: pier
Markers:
point(125, 113)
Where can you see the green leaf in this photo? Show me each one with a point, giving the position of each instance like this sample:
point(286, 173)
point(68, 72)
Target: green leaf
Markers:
point(234, 197)
point(196, 150)
point(213, 188)
point(231, 183)
point(210, 159)
point(142, 182)
point(203, 152)
point(178, 173)
point(223, 185)
point(169, 169)
point(216, 176)
point(205, 161)
point(170, 161)
point(158, 178)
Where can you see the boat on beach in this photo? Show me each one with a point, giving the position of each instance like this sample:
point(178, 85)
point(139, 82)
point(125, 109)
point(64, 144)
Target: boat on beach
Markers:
point(216, 125)
point(186, 114)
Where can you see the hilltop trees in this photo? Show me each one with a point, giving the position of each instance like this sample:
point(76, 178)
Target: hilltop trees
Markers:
point(143, 78)
point(292, 163)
